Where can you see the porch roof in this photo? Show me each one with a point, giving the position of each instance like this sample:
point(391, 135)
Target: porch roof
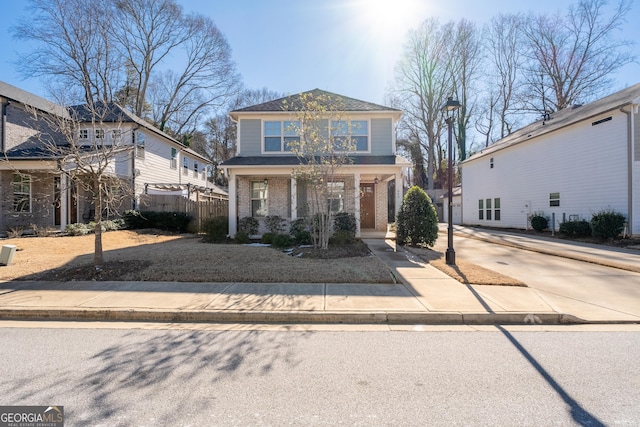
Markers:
point(295, 161)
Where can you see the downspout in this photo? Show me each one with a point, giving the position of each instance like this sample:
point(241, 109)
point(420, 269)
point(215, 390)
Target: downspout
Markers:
point(3, 138)
point(134, 203)
point(629, 166)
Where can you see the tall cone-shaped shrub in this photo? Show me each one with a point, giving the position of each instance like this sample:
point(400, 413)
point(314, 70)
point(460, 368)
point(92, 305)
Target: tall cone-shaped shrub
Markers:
point(417, 221)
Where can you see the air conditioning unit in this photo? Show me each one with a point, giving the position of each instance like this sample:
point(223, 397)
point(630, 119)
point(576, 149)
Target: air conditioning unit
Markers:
point(6, 254)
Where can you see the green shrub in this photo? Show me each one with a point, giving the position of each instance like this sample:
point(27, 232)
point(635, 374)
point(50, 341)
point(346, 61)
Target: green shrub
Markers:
point(274, 224)
point(539, 222)
point(216, 229)
point(248, 225)
point(171, 221)
point(267, 238)
point(344, 221)
point(134, 220)
point(299, 230)
point(580, 228)
point(281, 241)
point(242, 237)
point(342, 237)
point(607, 224)
point(417, 222)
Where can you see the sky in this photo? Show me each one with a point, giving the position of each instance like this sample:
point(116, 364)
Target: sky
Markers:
point(348, 47)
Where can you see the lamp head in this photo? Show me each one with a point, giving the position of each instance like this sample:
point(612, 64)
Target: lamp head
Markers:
point(451, 105)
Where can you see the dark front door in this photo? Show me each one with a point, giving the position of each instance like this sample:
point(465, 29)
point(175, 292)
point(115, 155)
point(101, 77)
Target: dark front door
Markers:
point(367, 206)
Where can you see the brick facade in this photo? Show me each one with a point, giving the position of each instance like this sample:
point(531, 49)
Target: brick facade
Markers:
point(42, 202)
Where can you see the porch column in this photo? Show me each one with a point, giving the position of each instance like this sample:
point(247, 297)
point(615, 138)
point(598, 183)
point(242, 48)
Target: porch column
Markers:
point(399, 190)
point(294, 199)
point(233, 204)
point(64, 201)
point(356, 184)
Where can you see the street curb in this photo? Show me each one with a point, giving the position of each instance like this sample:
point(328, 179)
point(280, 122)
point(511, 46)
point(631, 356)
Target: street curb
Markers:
point(295, 317)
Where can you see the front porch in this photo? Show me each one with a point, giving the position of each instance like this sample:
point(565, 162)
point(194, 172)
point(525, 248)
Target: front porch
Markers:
point(373, 199)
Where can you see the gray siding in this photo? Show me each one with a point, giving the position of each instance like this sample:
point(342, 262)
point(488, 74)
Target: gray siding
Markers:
point(250, 135)
point(381, 137)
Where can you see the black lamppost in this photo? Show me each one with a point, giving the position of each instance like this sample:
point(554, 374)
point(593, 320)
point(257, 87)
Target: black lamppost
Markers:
point(448, 108)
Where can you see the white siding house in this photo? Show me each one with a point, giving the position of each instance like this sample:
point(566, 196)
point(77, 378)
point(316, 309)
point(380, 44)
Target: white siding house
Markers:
point(33, 186)
point(577, 162)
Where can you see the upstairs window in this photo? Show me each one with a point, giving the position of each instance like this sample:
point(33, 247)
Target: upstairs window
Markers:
point(195, 169)
point(99, 133)
point(173, 163)
point(139, 145)
point(350, 135)
point(279, 136)
point(83, 134)
point(185, 165)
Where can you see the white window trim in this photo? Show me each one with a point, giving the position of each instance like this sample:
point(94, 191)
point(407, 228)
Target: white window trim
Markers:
point(30, 210)
point(368, 150)
point(263, 149)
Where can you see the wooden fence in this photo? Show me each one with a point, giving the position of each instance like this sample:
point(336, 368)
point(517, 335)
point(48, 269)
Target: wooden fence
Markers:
point(199, 211)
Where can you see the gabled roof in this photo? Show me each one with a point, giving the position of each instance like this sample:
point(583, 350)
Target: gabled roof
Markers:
point(293, 103)
point(563, 118)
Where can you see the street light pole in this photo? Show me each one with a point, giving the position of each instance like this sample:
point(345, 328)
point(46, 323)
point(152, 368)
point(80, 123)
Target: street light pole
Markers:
point(450, 107)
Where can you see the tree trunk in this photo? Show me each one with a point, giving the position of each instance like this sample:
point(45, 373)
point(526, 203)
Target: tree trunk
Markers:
point(98, 259)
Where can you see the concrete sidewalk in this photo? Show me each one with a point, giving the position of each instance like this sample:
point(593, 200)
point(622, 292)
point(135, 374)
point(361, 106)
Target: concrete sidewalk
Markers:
point(421, 295)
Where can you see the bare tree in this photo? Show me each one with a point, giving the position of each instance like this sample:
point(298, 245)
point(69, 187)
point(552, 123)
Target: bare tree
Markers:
point(72, 48)
point(576, 55)
point(320, 138)
point(423, 82)
point(504, 45)
point(119, 50)
point(466, 60)
point(89, 157)
point(206, 82)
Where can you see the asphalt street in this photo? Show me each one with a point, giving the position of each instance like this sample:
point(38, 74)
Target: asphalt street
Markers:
point(502, 376)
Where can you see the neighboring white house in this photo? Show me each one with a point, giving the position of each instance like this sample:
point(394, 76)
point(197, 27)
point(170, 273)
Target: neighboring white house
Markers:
point(456, 207)
point(261, 178)
point(36, 191)
point(571, 165)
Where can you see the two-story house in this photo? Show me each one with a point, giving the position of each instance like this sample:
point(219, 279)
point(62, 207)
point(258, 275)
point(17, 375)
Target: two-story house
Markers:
point(568, 165)
point(261, 177)
point(35, 182)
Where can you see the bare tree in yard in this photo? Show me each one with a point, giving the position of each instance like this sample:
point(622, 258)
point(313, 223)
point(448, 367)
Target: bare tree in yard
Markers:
point(91, 163)
point(423, 82)
point(319, 137)
point(576, 55)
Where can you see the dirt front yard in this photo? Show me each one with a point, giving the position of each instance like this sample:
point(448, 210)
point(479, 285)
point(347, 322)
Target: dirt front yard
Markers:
point(149, 256)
